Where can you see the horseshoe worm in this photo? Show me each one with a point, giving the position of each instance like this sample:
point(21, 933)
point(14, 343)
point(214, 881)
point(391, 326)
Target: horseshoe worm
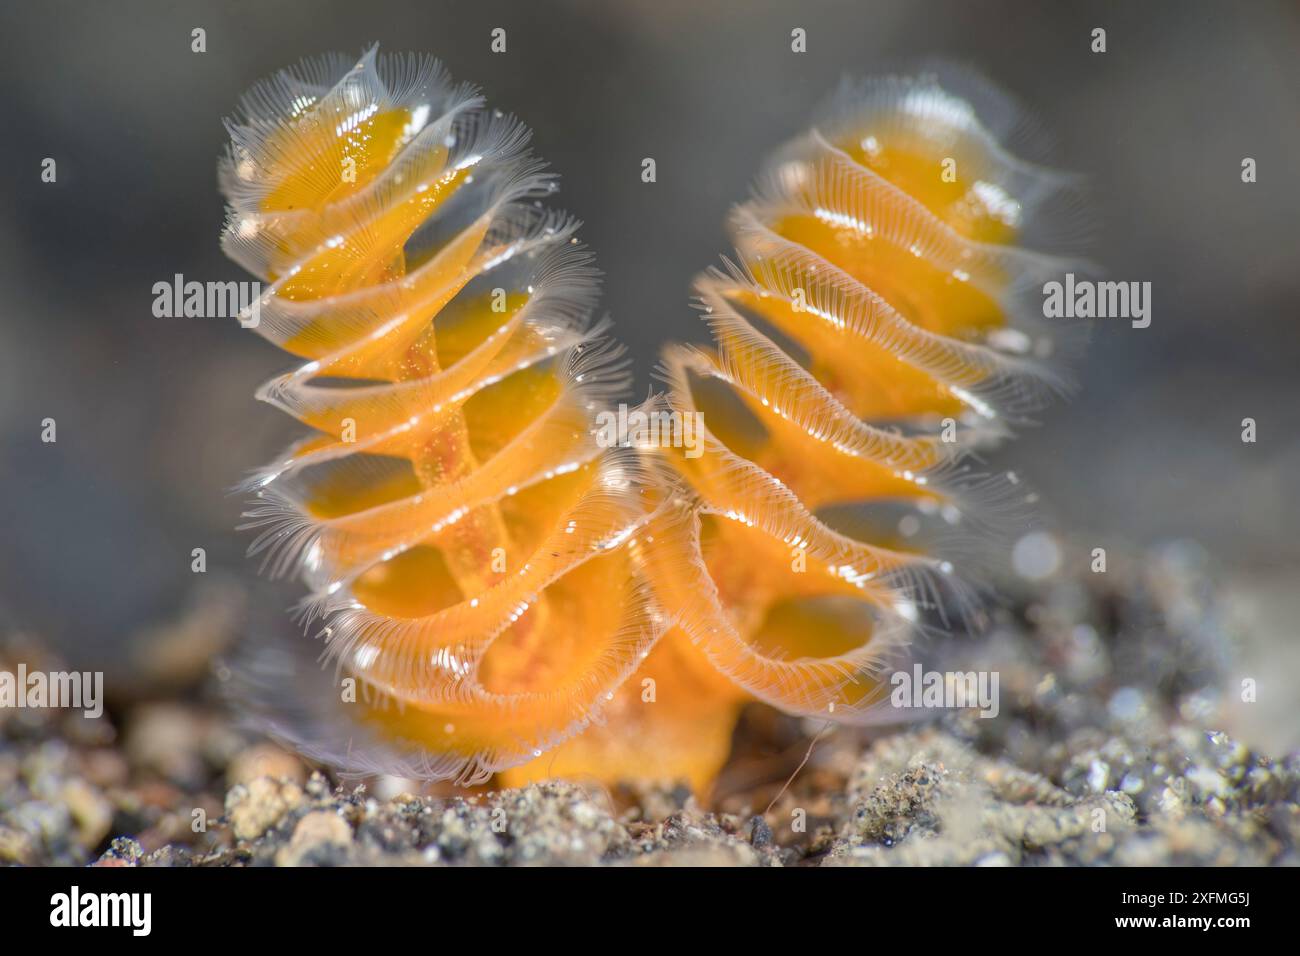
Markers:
point(513, 594)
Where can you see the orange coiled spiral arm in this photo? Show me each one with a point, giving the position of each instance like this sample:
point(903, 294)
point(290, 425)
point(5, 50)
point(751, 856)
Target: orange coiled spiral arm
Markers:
point(876, 327)
point(458, 525)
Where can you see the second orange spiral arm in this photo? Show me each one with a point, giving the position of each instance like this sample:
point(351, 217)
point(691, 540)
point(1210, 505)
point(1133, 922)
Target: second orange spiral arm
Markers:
point(459, 527)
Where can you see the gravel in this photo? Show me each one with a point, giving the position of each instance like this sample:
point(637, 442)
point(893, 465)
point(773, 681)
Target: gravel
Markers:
point(1111, 747)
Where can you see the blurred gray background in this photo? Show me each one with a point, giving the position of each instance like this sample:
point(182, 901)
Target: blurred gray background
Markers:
point(156, 418)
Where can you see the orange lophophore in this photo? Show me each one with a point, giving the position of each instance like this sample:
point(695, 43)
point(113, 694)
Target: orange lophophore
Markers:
point(504, 590)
